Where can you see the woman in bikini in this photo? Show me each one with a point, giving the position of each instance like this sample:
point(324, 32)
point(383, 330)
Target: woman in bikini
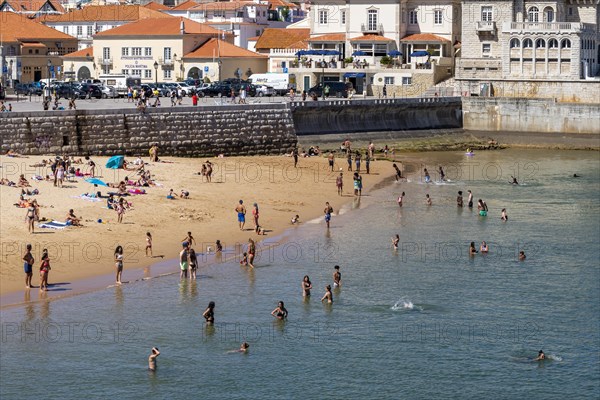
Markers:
point(280, 312)
point(306, 286)
point(251, 252)
point(328, 295)
point(30, 217)
point(44, 270)
point(209, 313)
point(255, 215)
point(119, 263)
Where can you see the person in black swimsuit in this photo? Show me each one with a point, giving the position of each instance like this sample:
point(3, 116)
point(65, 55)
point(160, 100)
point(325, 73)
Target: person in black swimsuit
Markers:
point(280, 312)
point(209, 313)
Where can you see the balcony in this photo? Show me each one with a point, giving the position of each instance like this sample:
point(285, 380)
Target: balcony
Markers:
point(485, 26)
point(372, 28)
point(104, 61)
point(543, 27)
point(166, 63)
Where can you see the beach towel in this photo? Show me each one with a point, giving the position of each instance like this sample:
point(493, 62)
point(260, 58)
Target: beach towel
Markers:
point(137, 191)
point(54, 225)
point(88, 198)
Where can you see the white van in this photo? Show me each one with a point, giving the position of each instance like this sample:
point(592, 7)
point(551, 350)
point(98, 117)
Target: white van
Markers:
point(117, 81)
point(281, 83)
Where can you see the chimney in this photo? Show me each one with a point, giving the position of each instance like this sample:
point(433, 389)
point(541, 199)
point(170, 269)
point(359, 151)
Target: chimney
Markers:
point(182, 27)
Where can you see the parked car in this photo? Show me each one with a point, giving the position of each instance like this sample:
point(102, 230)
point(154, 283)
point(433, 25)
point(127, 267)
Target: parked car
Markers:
point(336, 89)
point(68, 91)
point(264, 90)
point(87, 90)
point(215, 90)
point(193, 82)
point(163, 89)
point(109, 92)
point(28, 89)
point(186, 90)
point(250, 89)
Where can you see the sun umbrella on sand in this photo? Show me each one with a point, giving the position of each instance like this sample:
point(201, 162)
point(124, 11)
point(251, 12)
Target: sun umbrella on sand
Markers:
point(115, 162)
point(95, 181)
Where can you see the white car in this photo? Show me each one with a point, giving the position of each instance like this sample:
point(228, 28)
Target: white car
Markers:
point(186, 89)
point(264, 90)
point(109, 92)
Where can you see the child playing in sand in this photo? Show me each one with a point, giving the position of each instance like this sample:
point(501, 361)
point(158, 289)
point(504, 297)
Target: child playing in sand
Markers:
point(171, 195)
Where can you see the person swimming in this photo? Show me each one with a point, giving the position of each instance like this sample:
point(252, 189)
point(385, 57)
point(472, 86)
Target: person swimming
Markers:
point(514, 180)
point(395, 241)
point(522, 256)
point(541, 356)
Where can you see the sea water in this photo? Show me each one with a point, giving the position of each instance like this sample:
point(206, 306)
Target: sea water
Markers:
point(423, 321)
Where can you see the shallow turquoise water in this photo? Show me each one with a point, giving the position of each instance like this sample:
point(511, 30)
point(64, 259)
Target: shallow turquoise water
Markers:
point(425, 321)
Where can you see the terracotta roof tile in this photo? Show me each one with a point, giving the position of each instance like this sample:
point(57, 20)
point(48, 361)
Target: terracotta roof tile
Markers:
point(186, 5)
point(280, 3)
point(33, 5)
point(160, 27)
point(423, 37)
point(281, 38)
point(106, 13)
point(220, 49)
point(301, 44)
point(371, 38)
point(253, 38)
point(153, 5)
point(83, 53)
point(223, 5)
point(15, 27)
point(331, 37)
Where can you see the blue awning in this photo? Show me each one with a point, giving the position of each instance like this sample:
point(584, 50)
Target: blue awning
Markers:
point(419, 53)
point(354, 75)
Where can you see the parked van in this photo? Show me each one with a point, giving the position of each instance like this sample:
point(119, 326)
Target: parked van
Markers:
point(120, 82)
point(281, 83)
point(336, 89)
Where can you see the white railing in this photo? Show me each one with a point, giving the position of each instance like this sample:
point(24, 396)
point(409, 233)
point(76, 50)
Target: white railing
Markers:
point(485, 26)
point(284, 52)
point(542, 27)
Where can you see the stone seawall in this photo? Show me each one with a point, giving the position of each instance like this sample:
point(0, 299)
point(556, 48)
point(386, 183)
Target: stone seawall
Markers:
point(347, 116)
point(182, 131)
point(529, 115)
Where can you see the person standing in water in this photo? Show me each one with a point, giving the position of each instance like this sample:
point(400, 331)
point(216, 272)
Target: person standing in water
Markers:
point(152, 359)
point(504, 216)
point(44, 270)
point(484, 247)
point(337, 276)
point(442, 175)
point(328, 295)
point(328, 210)
point(209, 313)
point(306, 286)
point(459, 199)
point(119, 263)
point(472, 249)
point(398, 172)
point(427, 177)
point(251, 252)
point(28, 266)
point(395, 241)
point(522, 256)
point(193, 262)
point(400, 199)
point(241, 213)
point(280, 312)
point(428, 200)
point(183, 260)
point(470, 199)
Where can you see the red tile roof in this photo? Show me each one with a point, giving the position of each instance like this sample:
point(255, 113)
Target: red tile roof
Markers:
point(153, 5)
point(280, 3)
point(423, 37)
point(331, 37)
point(161, 27)
point(15, 27)
point(33, 5)
point(280, 38)
point(106, 13)
point(83, 53)
point(223, 5)
point(220, 49)
point(371, 38)
point(186, 5)
point(301, 44)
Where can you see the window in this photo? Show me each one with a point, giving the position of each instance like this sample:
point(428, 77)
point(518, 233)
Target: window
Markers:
point(136, 72)
point(553, 44)
point(240, 14)
point(167, 74)
point(148, 51)
point(167, 53)
point(540, 44)
point(527, 43)
point(565, 44)
point(533, 14)
point(406, 80)
point(486, 49)
point(90, 30)
point(323, 17)
point(258, 32)
point(548, 14)
point(437, 17)
point(106, 53)
point(147, 73)
point(570, 10)
point(124, 51)
point(372, 20)
point(343, 17)
point(388, 80)
point(486, 14)
point(125, 71)
point(413, 17)
point(514, 43)
point(196, 14)
point(136, 51)
point(66, 29)
point(79, 30)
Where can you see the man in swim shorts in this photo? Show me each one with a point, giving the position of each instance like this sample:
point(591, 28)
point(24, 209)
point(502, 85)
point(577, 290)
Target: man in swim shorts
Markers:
point(337, 276)
point(28, 266)
point(328, 210)
point(183, 261)
point(241, 213)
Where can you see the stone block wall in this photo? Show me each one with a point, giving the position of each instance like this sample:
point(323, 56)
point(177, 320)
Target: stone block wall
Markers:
point(185, 131)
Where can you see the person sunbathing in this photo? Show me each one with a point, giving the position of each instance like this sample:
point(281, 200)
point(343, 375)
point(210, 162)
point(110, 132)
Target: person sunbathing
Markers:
point(72, 219)
point(40, 164)
point(23, 182)
point(7, 182)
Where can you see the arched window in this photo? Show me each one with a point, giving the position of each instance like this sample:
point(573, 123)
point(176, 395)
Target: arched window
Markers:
point(565, 44)
point(527, 43)
point(540, 44)
point(533, 14)
point(514, 43)
point(548, 14)
point(553, 44)
point(83, 73)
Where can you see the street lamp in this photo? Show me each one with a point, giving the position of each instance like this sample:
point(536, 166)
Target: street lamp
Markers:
point(156, 73)
point(49, 67)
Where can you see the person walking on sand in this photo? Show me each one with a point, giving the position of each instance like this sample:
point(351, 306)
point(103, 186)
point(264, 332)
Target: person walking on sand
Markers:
point(295, 155)
point(349, 160)
point(251, 252)
point(152, 365)
point(241, 214)
point(119, 263)
point(183, 261)
point(148, 244)
point(120, 208)
point(331, 160)
point(328, 210)
point(339, 182)
point(371, 149)
point(28, 266)
point(255, 215)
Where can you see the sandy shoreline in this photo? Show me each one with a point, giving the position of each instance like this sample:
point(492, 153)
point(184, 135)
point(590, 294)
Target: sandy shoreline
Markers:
point(79, 254)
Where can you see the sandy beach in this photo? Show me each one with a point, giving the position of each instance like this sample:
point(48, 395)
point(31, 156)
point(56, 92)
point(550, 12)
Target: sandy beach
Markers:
point(76, 253)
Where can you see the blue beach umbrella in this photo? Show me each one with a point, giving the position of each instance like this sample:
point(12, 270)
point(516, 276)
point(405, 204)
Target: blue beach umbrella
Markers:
point(115, 162)
point(359, 53)
point(394, 53)
point(420, 53)
point(95, 181)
